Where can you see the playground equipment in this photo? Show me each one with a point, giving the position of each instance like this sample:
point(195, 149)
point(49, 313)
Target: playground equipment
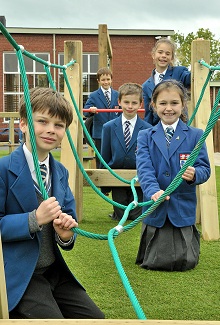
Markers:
point(73, 74)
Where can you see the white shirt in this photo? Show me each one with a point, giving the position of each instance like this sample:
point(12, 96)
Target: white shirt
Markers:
point(174, 125)
point(132, 125)
point(30, 161)
point(109, 92)
point(157, 78)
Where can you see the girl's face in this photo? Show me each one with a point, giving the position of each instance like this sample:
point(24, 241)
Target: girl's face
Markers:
point(49, 132)
point(130, 105)
point(162, 57)
point(105, 81)
point(168, 106)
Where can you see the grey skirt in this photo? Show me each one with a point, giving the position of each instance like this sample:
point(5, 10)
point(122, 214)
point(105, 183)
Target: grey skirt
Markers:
point(169, 248)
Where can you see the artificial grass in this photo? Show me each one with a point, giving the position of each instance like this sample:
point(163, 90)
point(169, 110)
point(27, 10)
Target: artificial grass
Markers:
point(191, 295)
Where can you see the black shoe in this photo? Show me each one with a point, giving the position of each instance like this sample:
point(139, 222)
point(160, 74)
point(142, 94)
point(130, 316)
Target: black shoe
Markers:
point(113, 216)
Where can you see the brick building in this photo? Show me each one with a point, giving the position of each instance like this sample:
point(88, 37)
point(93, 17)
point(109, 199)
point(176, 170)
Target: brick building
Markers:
point(132, 60)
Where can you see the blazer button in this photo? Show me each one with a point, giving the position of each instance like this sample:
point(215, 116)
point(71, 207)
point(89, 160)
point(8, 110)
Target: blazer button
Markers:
point(167, 174)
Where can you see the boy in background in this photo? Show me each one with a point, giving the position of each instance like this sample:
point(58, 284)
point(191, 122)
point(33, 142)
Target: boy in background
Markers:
point(104, 97)
point(119, 145)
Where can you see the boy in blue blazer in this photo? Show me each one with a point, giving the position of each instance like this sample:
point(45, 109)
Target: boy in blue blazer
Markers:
point(114, 150)
point(163, 55)
point(170, 240)
point(39, 283)
point(99, 99)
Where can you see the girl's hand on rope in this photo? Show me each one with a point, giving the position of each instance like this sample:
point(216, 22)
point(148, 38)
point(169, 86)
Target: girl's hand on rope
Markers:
point(47, 211)
point(156, 196)
point(93, 110)
point(63, 225)
point(189, 174)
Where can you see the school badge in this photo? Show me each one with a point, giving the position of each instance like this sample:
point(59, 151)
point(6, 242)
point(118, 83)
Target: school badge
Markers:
point(183, 158)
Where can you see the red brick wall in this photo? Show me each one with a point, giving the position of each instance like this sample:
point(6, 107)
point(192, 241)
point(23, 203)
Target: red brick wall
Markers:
point(132, 60)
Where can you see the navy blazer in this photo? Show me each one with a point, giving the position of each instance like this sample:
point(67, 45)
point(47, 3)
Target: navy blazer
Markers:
point(113, 149)
point(178, 73)
point(157, 167)
point(97, 99)
point(17, 199)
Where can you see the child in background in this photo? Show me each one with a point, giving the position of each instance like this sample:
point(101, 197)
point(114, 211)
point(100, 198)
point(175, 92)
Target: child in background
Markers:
point(104, 97)
point(169, 239)
point(119, 151)
point(163, 55)
point(39, 283)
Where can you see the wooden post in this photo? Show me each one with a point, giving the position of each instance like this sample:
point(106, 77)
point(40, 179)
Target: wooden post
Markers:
point(207, 192)
point(105, 48)
point(73, 50)
point(3, 294)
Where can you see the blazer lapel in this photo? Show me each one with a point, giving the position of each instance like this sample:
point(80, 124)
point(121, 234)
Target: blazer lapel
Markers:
point(137, 128)
point(22, 186)
point(119, 131)
point(160, 141)
point(58, 189)
point(178, 137)
point(102, 98)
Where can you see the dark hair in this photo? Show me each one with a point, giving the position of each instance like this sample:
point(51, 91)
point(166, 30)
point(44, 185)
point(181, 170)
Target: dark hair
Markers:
point(103, 71)
point(172, 84)
point(43, 99)
point(130, 88)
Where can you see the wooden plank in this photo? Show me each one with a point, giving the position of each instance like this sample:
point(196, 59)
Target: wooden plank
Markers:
point(73, 50)
point(105, 48)
point(207, 191)
point(102, 177)
point(3, 294)
point(103, 322)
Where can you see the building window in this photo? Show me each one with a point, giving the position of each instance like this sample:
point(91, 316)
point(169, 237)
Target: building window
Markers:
point(90, 67)
point(12, 81)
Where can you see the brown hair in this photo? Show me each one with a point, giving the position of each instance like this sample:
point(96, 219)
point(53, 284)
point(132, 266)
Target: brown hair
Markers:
point(166, 41)
point(172, 84)
point(103, 71)
point(130, 88)
point(43, 99)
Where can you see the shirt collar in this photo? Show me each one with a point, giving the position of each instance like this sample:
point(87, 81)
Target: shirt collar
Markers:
point(30, 161)
point(132, 121)
point(174, 125)
point(104, 90)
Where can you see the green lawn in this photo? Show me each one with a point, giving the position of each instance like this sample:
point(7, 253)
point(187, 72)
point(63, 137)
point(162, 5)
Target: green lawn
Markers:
point(191, 295)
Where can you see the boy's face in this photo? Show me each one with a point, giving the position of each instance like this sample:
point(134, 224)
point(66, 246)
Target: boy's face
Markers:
point(105, 81)
point(49, 132)
point(168, 106)
point(130, 105)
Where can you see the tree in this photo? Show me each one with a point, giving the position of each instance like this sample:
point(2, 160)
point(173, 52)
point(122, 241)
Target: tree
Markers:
point(184, 48)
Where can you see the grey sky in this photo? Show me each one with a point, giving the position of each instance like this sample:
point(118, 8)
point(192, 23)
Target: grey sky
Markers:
point(181, 16)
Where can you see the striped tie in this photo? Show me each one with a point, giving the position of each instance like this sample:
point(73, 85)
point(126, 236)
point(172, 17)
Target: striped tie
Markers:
point(43, 171)
point(127, 134)
point(107, 98)
point(169, 131)
point(161, 75)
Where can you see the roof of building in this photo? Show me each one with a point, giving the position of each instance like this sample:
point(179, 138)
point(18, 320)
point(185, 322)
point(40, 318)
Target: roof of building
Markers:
point(90, 31)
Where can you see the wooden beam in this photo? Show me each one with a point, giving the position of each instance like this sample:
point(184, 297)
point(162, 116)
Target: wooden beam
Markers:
point(105, 48)
point(73, 50)
point(207, 191)
point(3, 294)
point(103, 322)
point(102, 177)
